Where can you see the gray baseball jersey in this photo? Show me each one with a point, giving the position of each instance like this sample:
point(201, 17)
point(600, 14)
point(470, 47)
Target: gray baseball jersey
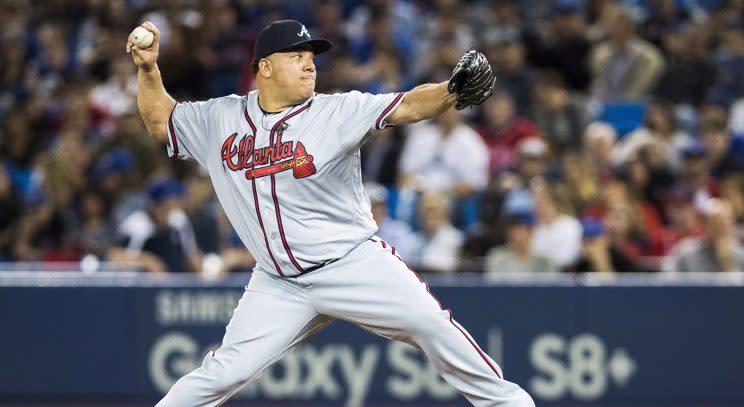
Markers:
point(290, 182)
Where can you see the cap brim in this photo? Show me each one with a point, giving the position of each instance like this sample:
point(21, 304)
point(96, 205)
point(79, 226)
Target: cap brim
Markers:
point(319, 45)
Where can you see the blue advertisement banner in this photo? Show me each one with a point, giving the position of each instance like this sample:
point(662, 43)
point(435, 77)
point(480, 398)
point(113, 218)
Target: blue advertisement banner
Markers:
point(568, 345)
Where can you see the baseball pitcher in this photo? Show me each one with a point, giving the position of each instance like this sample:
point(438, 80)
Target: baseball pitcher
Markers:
point(284, 162)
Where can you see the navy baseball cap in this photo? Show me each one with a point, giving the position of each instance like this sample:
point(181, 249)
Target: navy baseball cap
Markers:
point(693, 149)
point(165, 188)
point(521, 217)
point(282, 35)
point(118, 160)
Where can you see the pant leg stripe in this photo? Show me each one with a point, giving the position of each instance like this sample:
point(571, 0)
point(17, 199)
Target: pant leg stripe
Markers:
point(451, 318)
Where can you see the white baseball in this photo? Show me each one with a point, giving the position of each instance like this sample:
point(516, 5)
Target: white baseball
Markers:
point(141, 38)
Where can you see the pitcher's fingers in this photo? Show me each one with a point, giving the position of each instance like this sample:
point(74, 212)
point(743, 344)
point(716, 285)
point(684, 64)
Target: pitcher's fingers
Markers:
point(154, 30)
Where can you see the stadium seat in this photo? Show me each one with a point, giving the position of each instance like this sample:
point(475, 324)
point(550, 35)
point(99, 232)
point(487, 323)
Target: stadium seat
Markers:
point(623, 116)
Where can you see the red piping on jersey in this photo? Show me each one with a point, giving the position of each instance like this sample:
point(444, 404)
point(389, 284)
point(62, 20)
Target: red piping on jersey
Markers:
point(255, 202)
point(387, 110)
point(451, 317)
point(172, 132)
point(273, 190)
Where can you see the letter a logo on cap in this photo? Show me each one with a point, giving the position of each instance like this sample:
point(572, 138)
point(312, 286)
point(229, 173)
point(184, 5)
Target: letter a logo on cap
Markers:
point(303, 32)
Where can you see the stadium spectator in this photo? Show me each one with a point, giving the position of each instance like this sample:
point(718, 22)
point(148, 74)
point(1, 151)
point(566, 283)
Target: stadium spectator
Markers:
point(695, 173)
point(96, 232)
point(443, 39)
point(333, 65)
point(488, 231)
point(395, 232)
point(117, 95)
point(729, 60)
point(503, 130)
point(113, 176)
point(444, 155)
point(664, 16)
point(533, 159)
point(632, 223)
point(683, 221)
point(506, 52)
point(42, 231)
point(227, 47)
point(560, 116)
point(18, 148)
point(562, 44)
point(623, 225)
point(597, 255)
point(381, 155)
point(202, 211)
point(717, 141)
point(732, 191)
point(599, 142)
point(658, 139)
point(689, 74)
point(624, 66)
point(377, 53)
point(440, 242)
point(184, 74)
point(557, 235)
point(580, 179)
point(10, 211)
point(718, 250)
point(517, 256)
point(163, 229)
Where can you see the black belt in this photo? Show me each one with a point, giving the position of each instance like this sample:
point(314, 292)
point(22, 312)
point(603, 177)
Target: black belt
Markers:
point(313, 268)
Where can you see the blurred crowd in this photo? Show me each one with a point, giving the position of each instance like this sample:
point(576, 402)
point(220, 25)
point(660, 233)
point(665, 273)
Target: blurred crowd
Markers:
point(614, 141)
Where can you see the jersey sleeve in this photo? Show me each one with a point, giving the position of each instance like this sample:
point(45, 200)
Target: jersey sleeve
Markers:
point(188, 128)
point(360, 112)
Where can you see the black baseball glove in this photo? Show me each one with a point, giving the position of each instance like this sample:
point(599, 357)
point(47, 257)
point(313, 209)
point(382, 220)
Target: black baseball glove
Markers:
point(472, 80)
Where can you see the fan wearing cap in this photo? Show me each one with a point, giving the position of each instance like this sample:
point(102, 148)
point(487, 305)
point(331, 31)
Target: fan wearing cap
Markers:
point(683, 219)
point(162, 230)
point(517, 255)
point(695, 172)
point(718, 250)
point(597, 254)
point(285, 165)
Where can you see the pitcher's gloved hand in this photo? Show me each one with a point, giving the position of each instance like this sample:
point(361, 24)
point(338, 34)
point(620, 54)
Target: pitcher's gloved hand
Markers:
point(472, 80)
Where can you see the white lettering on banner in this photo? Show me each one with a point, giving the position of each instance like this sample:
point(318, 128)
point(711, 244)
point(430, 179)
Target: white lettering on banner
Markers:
point(338, 372)
point(286, 384)
point(319, 377)
point(305, 373)
point(174, 307)
point(407, 384)
point(172, 356)
point(359, 375)
point(416, 376)
point(578, 366)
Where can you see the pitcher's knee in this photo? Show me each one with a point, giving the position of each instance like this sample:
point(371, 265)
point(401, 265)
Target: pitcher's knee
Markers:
point(226, 379)
point(223, 375)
